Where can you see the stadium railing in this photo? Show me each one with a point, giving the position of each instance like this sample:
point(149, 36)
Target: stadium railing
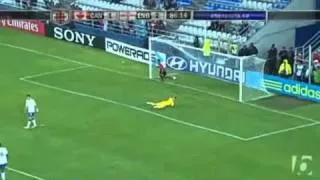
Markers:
point(305, 52)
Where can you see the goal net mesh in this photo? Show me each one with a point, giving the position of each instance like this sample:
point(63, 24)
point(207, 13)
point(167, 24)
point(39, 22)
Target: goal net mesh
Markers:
point(232, 77)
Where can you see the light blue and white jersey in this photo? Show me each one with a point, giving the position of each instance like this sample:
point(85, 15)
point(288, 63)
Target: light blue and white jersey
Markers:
point(3, 157)
point(31, 106)
point(162, 58)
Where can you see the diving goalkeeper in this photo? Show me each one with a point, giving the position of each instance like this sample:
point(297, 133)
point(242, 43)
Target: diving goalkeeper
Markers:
point(170, 102)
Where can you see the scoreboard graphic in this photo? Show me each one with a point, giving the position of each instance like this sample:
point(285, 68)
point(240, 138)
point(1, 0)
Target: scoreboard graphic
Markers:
point(61, 16)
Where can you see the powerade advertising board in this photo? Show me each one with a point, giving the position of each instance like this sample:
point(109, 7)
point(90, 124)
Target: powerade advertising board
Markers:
point(292, 88)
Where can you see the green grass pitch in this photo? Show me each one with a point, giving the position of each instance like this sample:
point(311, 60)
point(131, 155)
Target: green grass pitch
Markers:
point(96, 125)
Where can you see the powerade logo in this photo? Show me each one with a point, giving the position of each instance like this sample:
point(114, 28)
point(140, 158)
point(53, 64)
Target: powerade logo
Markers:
point(293, 88)
point(128, 51)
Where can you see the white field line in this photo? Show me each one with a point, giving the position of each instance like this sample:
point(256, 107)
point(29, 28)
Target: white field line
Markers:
point(53, 72)
point(134, 108)
point(244, 139)
point(169, 83)
point(282, 131)
point(25, 174)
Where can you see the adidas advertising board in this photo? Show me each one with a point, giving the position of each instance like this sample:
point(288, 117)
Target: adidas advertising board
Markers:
point(292, 88)
point(66, 34)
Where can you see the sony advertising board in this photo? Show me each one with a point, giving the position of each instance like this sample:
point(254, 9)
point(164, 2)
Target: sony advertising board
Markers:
point(66, 34)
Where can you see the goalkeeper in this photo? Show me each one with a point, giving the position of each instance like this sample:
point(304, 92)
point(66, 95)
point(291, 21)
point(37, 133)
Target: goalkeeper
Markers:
point(170, 102)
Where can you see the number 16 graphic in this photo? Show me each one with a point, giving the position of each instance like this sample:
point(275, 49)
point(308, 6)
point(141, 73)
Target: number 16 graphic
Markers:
point(300, 165)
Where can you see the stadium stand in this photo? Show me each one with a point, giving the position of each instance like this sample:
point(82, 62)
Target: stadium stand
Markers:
point(234, 32)
point(223, 34)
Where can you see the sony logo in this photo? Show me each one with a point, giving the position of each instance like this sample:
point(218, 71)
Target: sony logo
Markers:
point(74, 36)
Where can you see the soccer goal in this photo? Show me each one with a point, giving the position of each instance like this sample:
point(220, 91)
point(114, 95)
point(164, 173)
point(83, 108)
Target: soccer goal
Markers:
point(244, 74)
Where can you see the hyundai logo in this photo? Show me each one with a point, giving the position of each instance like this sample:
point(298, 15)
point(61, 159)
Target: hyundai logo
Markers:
point(177, 63)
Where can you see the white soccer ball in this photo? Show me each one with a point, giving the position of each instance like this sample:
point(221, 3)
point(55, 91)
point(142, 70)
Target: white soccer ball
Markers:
point(174, 78)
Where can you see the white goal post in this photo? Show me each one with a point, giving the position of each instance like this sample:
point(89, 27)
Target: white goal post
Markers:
point(247, 72)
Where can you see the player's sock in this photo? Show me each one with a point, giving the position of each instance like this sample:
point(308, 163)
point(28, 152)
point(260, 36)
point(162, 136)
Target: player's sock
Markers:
point(29, 124)
point(3, 176)
point(34, 123)
point(150, 103)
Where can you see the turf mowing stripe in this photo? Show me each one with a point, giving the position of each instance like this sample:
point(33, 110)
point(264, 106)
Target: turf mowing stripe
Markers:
point(24, 174)
point(169, 83)
point(135, 108)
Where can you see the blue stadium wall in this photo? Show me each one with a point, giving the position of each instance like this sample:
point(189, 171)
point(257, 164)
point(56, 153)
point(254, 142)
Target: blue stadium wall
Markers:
point(303, 34)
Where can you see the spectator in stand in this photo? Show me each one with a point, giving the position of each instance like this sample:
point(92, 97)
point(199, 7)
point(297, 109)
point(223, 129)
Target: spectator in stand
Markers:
point(196, 42)
point(160, 25)
point(34, 2)
point(212, 26)
point(316, 72)
point(150, 4)
point(170, 4)
point(159, 4)
point(243, 28)
point(105, 25)
point(283, 54)
point(291, 56)
point(299, 74)
point(252, 50)
point(285, 70)
point(272, 59)
point(316, 55)
point(243, 51)
point(49, 4)
point(18, 3)
point(26, 4)
point(131, 27)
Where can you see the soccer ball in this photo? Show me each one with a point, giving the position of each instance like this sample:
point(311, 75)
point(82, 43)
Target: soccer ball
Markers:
point(174, 78)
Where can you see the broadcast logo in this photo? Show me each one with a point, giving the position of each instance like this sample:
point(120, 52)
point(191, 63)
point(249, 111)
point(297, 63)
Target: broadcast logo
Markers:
point(60, 17)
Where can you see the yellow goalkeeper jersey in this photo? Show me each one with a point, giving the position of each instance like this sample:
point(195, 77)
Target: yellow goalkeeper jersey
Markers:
point(169, 102)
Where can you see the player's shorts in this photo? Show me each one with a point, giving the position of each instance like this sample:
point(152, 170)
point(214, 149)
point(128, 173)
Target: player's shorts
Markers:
point(3, 166)
point(31, 115)
point(163, 73)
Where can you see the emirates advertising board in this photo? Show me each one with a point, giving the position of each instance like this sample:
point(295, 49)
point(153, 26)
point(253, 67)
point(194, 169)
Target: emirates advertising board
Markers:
point(32, 26)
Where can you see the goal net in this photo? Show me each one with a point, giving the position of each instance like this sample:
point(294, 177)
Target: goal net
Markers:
point(232, 77)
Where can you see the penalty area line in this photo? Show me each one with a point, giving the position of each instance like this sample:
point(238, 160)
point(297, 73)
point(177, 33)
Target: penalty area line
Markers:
point(172, 84)
point(24, 173)
point(282, 131)
point(53, 72)
point(135, 108)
